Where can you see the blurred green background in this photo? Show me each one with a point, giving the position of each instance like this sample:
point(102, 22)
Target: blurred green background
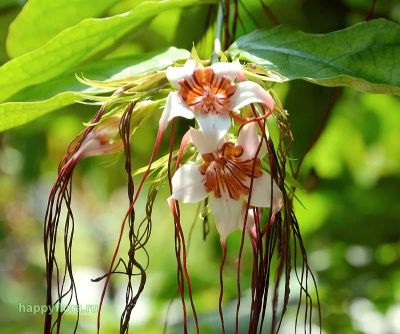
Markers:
point(349, 211)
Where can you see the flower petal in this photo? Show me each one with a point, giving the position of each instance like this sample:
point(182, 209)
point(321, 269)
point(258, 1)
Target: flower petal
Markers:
point(174, 74)
point(230, 69)
point(218, 125)
point(226, 212)
point(250, 223)
point(174, 107)
point(261, 193)
point(249, 140)
point(248, 92)
point(103, 139)
point(187, 184)
point(205, 143)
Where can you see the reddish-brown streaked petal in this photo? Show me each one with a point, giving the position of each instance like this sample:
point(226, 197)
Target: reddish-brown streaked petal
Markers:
point(190, 94)
point(235, 182)
point(226, 174)
point(208, 158)
point(203, 76)
point(225, 86)
point(232, 151)
point(213, 179)
point(207, 93)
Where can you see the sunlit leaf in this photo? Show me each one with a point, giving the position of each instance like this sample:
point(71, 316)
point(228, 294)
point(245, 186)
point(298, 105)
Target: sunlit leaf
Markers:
point(308, 116)
point(4, 4)
point(6, 17)
point(66, 90)
point(74, 45)
point(29, 30)
point(365, 56)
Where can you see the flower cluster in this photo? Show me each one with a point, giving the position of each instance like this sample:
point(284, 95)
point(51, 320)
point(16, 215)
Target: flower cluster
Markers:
point(229, 173)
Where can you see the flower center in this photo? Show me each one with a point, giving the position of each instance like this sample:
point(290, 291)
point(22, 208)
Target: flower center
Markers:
point(227, 173)
point(207, 92)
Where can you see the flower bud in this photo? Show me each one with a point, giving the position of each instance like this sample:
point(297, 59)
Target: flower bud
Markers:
point(103, 139)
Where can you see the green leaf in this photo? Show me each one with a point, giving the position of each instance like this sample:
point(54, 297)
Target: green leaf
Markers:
point(6, 17)
point(74, 45)
point(5, 4)
point(13, 114)
point(365, 56)
point(65, 90)
point(106, 69)
point(31, 29)
point(308, 116)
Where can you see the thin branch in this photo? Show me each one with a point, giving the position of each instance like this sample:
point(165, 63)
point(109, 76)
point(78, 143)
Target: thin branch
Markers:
point(274, 20)
point(371, 10)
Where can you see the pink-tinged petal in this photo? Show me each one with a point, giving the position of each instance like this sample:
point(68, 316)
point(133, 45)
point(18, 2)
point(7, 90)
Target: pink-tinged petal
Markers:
point(174, 74)
point(187, 184)
point(250, 223)
point(103, 139)
point(230, 69)
point(226, 212)
point(93, 147)
point(217, 124)
point(205, 143)
point(248, 92)
point(249, 140)
point(261, 193)
point(174, 107)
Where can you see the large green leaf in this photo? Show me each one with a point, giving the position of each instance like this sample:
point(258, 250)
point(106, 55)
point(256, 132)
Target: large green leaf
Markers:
point(40, 20)
point(365, 56)
point(308, 116)
point(65, 90)
point(5, 4)
point(75, 44)
point(6, 17)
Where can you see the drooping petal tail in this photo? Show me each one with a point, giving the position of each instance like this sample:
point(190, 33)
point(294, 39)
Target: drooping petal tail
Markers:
point(185, 140)
point(174, 107)
point(248, 92)
point(249, 139)
point(262, 192)
point(226, 213)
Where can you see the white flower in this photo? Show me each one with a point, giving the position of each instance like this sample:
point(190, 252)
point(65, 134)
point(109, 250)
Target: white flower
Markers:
point(225, 177)
point(209, 94)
